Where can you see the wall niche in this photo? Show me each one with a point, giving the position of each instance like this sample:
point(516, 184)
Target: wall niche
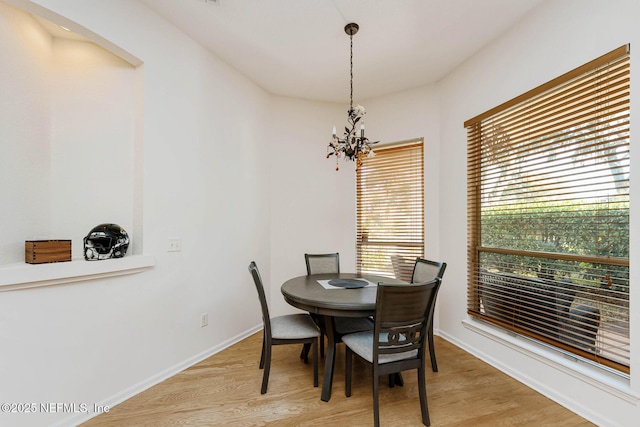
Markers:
point(71, 156)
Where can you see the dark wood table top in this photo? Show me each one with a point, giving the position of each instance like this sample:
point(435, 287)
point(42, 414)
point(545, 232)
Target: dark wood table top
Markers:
point(305, 293)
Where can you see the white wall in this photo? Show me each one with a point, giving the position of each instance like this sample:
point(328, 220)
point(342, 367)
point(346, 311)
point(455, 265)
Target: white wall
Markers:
point(205, 180)
point(405, 116)
point(241, 176)
point(313, 207)
point(69, 138)
point(24, 133)
point(557, 37)
point(92, 141)
point(312, 204)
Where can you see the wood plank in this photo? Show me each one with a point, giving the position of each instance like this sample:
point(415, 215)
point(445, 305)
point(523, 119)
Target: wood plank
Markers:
point(225, 390)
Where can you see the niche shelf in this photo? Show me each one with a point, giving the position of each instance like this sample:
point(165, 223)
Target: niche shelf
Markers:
point(24, 276)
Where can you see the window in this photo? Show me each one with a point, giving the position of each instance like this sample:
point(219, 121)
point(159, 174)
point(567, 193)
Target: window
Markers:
point(548, 212)
point(390, 210)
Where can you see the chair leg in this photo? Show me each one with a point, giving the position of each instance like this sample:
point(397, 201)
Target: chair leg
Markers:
point(432, 350)
point(396, 380)
point(305, 349)
point(315, 362)
point(304, 354)
point(347, 371)
point(319, 321)
point(422, 390)
point(262, 353)
point(329, 361)
point(397, 377)
point(267, 368)
point(376, 406)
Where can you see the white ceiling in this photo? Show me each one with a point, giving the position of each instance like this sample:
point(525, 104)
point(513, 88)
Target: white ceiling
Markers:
point(298, 48)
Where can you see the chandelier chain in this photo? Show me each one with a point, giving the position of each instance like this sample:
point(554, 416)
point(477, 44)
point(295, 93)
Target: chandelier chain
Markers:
point(351, 72)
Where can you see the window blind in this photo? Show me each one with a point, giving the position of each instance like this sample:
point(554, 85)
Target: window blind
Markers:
point(390, 210)
point(548, 212)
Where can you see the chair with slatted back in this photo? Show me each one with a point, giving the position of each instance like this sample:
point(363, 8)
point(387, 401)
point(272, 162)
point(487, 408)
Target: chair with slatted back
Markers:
point(287, 329)
point(398, 340)
point(330, 263)
point(423, 271)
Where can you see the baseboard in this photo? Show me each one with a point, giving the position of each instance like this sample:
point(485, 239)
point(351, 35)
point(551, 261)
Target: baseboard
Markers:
point(135, 389)
point(543, 356)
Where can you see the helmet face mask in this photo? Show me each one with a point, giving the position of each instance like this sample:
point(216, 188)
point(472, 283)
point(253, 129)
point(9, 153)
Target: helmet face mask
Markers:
point(106, 241)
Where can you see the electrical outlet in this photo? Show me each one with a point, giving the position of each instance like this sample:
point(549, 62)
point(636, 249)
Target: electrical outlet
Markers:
point(175, 245)
point(204, 319)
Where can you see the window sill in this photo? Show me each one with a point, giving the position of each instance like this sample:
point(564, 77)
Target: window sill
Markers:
point(25, 276)
point(612, 382)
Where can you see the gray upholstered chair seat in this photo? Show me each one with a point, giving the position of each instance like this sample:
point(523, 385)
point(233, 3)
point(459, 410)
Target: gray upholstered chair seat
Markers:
point(361, 343)
point(293, 326)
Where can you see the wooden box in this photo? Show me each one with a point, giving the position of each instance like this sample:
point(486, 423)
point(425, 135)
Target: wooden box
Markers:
point(44, 251)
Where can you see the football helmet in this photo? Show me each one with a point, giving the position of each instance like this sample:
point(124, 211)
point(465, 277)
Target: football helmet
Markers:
point(105, 241)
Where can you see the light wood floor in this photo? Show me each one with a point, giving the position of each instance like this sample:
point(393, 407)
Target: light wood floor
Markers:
point(225, 390)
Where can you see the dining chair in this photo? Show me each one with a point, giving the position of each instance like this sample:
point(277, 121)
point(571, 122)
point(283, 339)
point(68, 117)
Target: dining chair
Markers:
point(398, 340)
point(286, 329)
point(423, 271)
point(326, 264)
point(322, 263)
point(402, 267)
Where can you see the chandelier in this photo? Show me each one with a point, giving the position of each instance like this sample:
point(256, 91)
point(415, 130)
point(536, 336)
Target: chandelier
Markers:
point(352, 146)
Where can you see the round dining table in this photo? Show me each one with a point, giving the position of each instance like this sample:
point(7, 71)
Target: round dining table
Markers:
point(308, 294)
